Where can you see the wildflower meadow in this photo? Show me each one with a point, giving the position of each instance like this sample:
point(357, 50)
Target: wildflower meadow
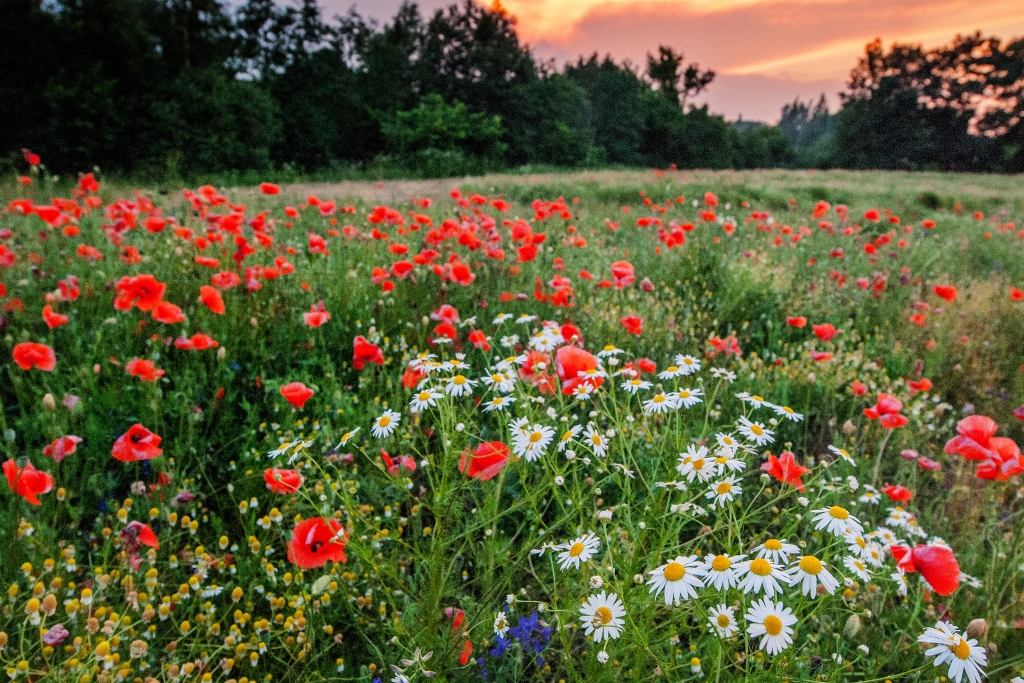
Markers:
point(660, 426)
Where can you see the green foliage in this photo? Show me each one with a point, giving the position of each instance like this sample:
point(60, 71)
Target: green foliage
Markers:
point(435, 124)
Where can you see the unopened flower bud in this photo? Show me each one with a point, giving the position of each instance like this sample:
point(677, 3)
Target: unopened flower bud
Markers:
point(977, 628)
point(848, 427)
point(852, 627)
point(49, 402)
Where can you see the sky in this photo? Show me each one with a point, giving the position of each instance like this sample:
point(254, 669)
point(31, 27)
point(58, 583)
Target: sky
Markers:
point(765, 52)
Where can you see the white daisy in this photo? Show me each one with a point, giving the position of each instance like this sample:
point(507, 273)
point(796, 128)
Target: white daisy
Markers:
point(722, 621)
point(771, 621)
point(532, 442)
point(525, 319)
point(385, 424)
point(762, 576)
point(423, 399)
point(776, 551)
point(788, 413)
point(501, 625)
point(688, 398)
point(727, 442)
point(501, 317)
point(502, 380)
point(722, 492)
point(546, 340)
point(837, 520)
point(696, 463)
point(347, 436)
point(609, 351)
point(809, 572)
point(722, 373)
point(660, 403)
point(671, 372)
point(756, 432)
point(753, 400)
point(583, 391)
point(577, 551)
point(602, 616)
point(962, 655)
point(498, 403)
point(688, 364)
point(857, 567)
point(843, 454)
point(510, 363)
point(720, 571)
point(900, 577)
point(728, 462)
point(678, 578)
point(459, 385)
point(636, 384)
point(596, 440)
point(567, 437)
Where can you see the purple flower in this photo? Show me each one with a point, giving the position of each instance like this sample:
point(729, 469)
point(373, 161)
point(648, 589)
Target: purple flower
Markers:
point(55, 636)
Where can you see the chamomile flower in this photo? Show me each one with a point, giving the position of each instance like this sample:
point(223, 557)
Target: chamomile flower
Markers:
point(347, 436)
point(596, 440)
point(696, 463)
point(660, 403)
point(728, 462)
point(423, 399)
point(602, 616)
point(762, 576)
point(884, 536)
point(609, 351)
point(963, 656)
point(810, 572)
point(568, 436)
point(842, 454)
point(775, 550)
point(678, 579)
point(509, 363)
point(772, 621)
point(722, 492)
point(788, 413)
point(722, 621)
point(900, 577)
point(503, 381)
point(688, 364)
point(837, 520)
point(874, 555)
point(726, 442)
point(532, 441)
point(870, 495)
point(688, 398)
point(634, 385)
point(459, 385)
point(577, 551)
point(723, 374)
point(525, 319)
point(546, 340)
point(756, 432)
point(671, 372)
point(384, 425)
point(583, 392)
point(857, 567)
point(753, 399)
point(501, 624)
point(720, 571)
point(500, 318)
point(498, 403)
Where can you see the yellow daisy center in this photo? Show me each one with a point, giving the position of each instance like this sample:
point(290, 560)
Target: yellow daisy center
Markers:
point(773, 625)
point(756, 429)
point(757, 398)
point(674, 571)
point(576, 549)
point(672, 368)
point(761, 567)
point(459, 379)
point(839, 512)
point(810, 565)
point(684, 394)
point(424, 395)
point(698, 464)
point(721, 563)
point(962, 650)
point(660, 398)
point(773, 544)
point(602, 615)
point(535, 437)
point(723, 620)
point(384, 421)
point(724, 487)
point(567, 435)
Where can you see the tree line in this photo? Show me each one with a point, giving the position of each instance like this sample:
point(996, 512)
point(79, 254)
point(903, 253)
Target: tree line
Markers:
point(181, 88)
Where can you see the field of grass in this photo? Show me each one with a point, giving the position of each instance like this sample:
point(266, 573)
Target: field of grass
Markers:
point(514, 428)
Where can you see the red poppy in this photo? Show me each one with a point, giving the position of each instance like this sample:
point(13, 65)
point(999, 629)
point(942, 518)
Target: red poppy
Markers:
point(975, 438)
point(167, 313)
point(317, 315)
point(138, 443)
point(364, 352)
point(634, 324)
point(315, 541)
point(296, 393)
point(571, 334)
point(30, 355)
point(223, 281)
point(62, 447)
point(786, 469)
point(1005, 463)
point(282, 481)
point(486, 462)
point(467, 652)
point(926, 463)
point(145, 370)
point(27, 481)
point(395, 466)
point(142, 291)
point(821, 356)
point(887, 412)
point(858, 388)
point(937, 564)
point(570, 361)
point(623, 274)
point(137, 534)
point(479, 340)
point(211, 298)
point(412, 377)
point(53, 319)
point(270, 188)
point(900, 494)
point(1016, 294)
point(797, 321)
point(947, 292)
point(923, 384)
point(825, 331)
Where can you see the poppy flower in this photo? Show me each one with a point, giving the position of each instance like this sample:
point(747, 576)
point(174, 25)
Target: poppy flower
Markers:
point(887, 412)
point(138, 443)
point(395, 466)
point(486, 462)
point(821, 356)
point(167, 313)
point(1005, 463)
point(479, 340)
point(623, 274)
point(211, 298)
point(270, 188)
point(923, 384)
point(142, 291)
point(282, 481)
point(62, 447)
point(30, 355)
point(145, 370)
point(135, 535)
point(1016, 294)
point(412, 377)
point(296, 393)
point(53, 319)
point(316, 541)
point(897, 493)
point(634, 324)
point(937, 564)
point(825, 331)
point(570, 361)
point(797, 321)
point(317, 315)
point(786, 469)
point(947, 292)
point(571, 334)
point(364, 352)
point(467, 652)
point(975, 438)
point(858, 388)
point(27, 481)
point(927, 463)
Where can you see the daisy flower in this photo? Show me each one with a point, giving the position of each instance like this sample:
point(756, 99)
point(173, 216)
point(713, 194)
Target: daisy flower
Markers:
point(720, 571)
point(688, 398)
point(424, 399)
point(347, 436)
point(498, 403)
point(509, 340)
point(501, 317)
point(809, 572)
point(837, 520)
point(384, 425)
point(900, 577)
point(602, 616)
point(722, 621)
point(722, 492)
point(729, 462)
point(660, 403)
point(874, 555)
point(520, 426)
point(525, 319)
point(636, 384)
point(609, 351)
point(788, 413)
point(546, 340)
point(726, 442)
point(678, 579)
point(756, 432)
point(597, 441)
point(568, 436)
point(459, 385)
point(842, 454)
point(762, 576)
point(775, 550)
point(502, 381)
point(753, 399)
point(722, 373)
point(695, 463)
point(771, 621)
point(870, 495)
point(510, 362)
point(886, 537)
point(963, 656)
point(532, 442)
point(577, 551)
point(688, 364)
point(857, 567)
point(671, 372)
point(501, 624)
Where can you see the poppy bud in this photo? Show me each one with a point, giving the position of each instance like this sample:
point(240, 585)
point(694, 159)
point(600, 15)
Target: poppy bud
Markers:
point(977, 628)
point(852, 627)
point(848, 427)
point(49, 402)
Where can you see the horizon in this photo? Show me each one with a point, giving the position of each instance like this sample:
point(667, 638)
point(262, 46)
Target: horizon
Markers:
point(765, 53)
